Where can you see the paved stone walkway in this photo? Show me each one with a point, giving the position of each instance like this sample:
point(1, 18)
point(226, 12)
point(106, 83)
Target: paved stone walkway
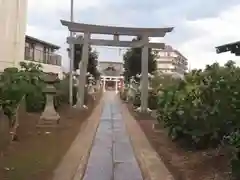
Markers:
point(112, 156)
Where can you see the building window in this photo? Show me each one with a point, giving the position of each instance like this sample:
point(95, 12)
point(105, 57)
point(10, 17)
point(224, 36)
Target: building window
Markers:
point(46, 55)
point(32, 53)
point(29, 51)
point(27, 45)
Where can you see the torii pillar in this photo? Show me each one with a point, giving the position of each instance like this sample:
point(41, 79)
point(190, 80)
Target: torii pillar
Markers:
point(144, 67)
point(83, 70)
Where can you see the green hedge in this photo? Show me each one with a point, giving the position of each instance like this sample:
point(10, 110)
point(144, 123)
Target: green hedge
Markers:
point(152, 100)
point(204, 109)
point(15, 83)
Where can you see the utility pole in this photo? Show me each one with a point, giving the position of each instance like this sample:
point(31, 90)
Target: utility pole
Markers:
point(71, 58)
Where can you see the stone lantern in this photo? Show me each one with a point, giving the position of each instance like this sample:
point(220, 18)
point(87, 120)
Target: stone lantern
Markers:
point(91, 89)
point(132, 89)
point(49, 117)
point(150, 76)
point(90, 79)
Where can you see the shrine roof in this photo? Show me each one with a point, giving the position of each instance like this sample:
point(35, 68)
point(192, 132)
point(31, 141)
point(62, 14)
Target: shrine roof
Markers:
point(33, 39)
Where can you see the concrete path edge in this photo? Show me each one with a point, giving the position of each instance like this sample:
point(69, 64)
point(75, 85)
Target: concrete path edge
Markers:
point(73, 164)
point(150, 163)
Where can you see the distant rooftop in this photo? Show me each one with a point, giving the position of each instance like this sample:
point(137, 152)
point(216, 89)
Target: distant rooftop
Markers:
point(232, 47)
point(30, 38)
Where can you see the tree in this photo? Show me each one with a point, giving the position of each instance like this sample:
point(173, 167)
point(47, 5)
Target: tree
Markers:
point(161, 81)
point(15, 83)
point(92, 61)
point(132, 61)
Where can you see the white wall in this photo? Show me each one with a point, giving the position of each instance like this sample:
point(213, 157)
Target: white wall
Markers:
point(161, 65)
point(13, 16)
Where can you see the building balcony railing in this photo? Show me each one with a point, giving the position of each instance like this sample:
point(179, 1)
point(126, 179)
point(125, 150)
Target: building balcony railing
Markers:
point(169, 59)
point(42, 57)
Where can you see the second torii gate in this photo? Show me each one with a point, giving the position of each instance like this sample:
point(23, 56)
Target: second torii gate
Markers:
point(89, 29)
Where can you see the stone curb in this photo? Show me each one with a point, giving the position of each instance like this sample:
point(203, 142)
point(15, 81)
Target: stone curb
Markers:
point(150, 163)
point(72, 166)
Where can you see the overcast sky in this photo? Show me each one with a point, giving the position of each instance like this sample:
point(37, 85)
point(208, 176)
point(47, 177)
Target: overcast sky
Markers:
point(200, 25)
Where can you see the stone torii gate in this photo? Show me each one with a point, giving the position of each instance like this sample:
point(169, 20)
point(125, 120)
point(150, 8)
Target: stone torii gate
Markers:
point(89, 29)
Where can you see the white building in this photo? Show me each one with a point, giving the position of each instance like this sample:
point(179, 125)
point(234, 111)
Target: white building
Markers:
point(14, 48)
point(13, 17)
point(171, 61)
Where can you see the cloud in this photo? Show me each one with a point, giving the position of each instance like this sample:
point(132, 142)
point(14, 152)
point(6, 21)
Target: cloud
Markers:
point(45, 5)
point(213, 32)
point(200, 25)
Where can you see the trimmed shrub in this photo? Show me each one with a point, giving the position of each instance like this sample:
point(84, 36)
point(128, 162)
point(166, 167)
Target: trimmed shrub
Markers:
point(203, 109)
